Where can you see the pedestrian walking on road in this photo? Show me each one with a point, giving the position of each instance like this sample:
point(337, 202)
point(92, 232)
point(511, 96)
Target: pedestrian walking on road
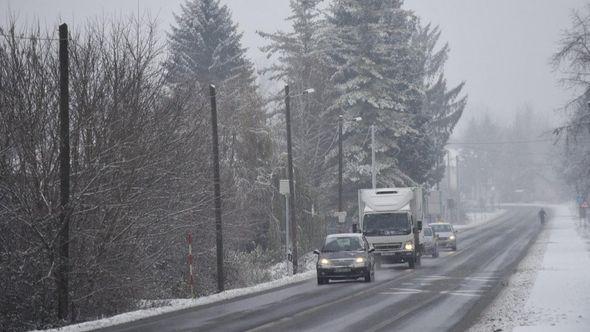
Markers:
point(542, 216)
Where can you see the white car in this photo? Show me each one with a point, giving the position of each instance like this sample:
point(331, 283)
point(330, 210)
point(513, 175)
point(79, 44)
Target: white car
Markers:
point(447, 236)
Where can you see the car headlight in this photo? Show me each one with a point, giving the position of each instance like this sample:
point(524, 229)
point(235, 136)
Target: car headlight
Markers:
point(409, 246)
point(452, 237)
point(324, 261)
point(360, 260)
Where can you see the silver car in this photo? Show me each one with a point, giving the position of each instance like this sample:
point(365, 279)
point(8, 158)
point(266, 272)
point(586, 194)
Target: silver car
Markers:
point(430, 242)
point(447, 236)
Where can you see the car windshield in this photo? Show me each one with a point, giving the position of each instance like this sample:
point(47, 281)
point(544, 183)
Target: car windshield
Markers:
point(442, 228)
point(386, 224)
point(427, 231)
point(335, 244)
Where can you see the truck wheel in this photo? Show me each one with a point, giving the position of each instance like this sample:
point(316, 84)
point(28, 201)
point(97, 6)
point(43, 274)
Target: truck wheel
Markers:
point(411, 263)
point(322, 281)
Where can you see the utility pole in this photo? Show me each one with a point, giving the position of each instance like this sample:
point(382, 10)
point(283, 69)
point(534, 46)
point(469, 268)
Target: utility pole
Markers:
point(293, 221)
point(340, 120)
point(217, 191)
point(373, 171)
point(64, 175)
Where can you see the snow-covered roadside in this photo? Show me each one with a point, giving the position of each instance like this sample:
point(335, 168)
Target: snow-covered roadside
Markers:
point(180, 304)
point(550, 290)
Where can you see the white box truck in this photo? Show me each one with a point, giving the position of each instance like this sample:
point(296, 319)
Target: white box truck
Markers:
point(391, 220)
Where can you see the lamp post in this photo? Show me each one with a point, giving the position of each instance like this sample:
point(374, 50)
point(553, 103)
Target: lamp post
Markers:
point(293, 222)
point(373, 170)
point(340, 163)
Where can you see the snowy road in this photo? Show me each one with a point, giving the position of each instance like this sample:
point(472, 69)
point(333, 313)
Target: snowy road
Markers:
point(446, 293)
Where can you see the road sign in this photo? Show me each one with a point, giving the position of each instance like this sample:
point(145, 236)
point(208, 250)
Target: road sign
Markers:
point(284, 187)
point(341, 216)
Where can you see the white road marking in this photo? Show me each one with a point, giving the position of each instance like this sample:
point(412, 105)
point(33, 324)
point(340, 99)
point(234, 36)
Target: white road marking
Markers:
point(411, 291)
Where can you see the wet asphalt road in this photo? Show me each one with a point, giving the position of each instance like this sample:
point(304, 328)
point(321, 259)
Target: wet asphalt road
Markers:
point(444, 294)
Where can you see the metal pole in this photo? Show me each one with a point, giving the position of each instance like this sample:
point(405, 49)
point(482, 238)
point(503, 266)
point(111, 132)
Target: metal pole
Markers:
point(291, 184)
point(373, 171)
point(450, 196)
point(287, 233)
point(217, 191)
point(457, 204)
point(64, 172)
point(340, 120)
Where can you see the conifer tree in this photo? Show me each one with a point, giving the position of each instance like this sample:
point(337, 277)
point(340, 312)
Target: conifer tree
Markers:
point(370, 53)
point(205, 48)
point(435, 112)
point(205, 45)
point(387, 69)
point(301, 62)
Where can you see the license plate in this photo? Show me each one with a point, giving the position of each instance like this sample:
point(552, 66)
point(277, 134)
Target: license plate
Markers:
point(342, 269)
point(387, 254)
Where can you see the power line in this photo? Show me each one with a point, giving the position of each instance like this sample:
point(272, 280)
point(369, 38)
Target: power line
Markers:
point(501, 142)
point(29, 38)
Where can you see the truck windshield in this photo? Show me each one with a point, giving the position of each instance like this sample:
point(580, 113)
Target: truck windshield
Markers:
point(386, 224)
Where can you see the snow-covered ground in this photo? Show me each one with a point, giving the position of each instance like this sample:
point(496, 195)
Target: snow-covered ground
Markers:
point(550, 290)
point(475, 219)
point(279, 270)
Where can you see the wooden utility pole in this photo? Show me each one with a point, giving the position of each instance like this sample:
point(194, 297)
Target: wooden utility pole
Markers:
point(64, 174)
point(217, 191)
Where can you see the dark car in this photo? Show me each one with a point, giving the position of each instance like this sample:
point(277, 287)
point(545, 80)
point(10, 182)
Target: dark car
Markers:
point(345, 256)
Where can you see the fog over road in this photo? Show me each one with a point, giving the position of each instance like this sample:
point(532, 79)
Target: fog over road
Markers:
point(446, 293)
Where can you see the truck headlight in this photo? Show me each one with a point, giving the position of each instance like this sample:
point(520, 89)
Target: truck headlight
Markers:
point(324, 261)
point(360, 260)
point(452, 237)
point(409, 246)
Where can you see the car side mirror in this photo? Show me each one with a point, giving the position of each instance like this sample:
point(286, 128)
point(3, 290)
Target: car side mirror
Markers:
point(317, 252)
point(371, 250)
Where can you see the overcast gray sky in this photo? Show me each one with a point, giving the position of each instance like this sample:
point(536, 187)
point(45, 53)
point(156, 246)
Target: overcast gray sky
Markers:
point(501, 48)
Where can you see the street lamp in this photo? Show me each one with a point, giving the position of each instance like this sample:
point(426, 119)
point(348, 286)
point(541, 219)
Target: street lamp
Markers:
point(340, 123)
point(293, 222)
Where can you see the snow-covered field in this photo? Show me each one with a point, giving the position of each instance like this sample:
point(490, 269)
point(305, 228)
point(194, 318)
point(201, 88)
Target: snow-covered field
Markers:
point(550, 290)
point(179, 304)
